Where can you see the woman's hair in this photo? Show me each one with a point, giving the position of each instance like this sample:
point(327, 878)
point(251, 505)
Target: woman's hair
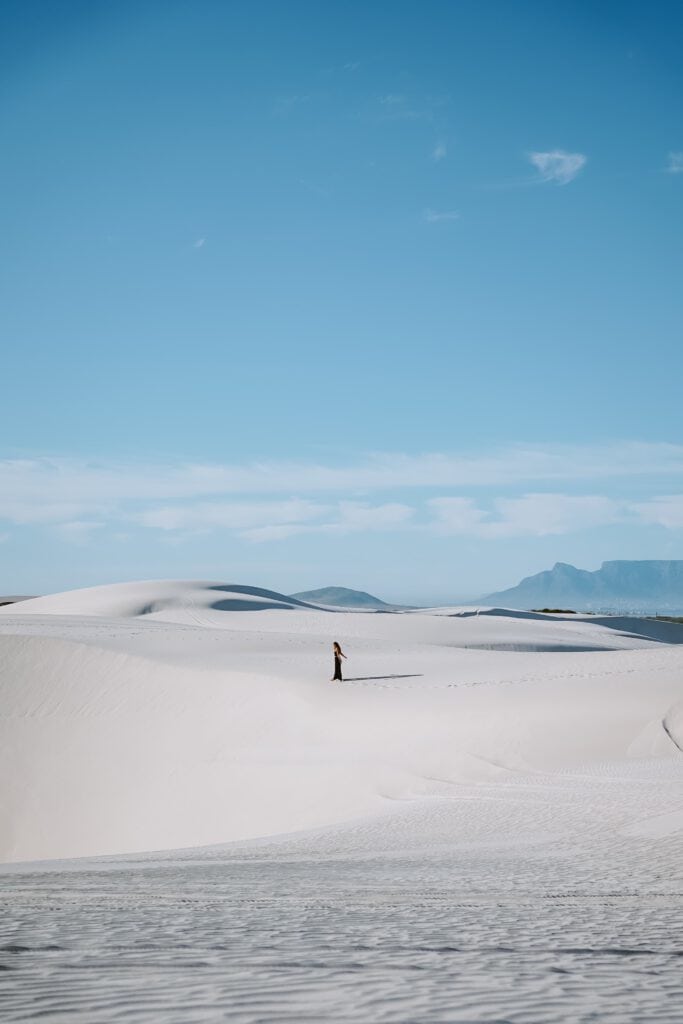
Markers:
point(336, 646)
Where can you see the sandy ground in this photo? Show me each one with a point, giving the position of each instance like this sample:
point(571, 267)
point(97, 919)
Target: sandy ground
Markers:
point(483, 823)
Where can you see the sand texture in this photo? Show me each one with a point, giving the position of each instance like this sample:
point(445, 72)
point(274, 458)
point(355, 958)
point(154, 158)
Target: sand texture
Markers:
point(484, 822)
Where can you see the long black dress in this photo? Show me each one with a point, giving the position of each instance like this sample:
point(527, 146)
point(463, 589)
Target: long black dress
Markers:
point(337, 667)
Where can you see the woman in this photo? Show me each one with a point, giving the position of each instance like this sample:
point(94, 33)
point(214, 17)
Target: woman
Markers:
point(338, 655)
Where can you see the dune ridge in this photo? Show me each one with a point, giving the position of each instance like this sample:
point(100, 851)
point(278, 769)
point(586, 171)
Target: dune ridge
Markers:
point(169, 714)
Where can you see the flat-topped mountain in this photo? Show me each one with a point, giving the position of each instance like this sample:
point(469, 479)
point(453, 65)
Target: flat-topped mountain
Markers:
point(341, 597)
point(650, 587)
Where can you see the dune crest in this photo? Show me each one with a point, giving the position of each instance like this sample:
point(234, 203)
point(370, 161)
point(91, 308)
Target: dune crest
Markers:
point(169, 714)
point(154, 597)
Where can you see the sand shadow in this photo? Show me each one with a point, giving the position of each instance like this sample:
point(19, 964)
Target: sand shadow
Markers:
point(283, 601)
point(368, 679)
point(235, 605)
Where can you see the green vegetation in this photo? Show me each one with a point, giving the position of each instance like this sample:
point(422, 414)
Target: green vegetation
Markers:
point(667, 618)
point(555, 611)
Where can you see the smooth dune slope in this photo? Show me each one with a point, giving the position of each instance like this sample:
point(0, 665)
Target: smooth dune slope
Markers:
point(149, 597)
point(163, 715)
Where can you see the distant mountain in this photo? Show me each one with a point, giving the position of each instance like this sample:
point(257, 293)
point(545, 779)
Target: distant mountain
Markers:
point(649, 587)
point(342, 597)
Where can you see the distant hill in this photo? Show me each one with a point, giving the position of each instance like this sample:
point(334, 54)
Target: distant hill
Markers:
point(342, 597)
point(648, 587)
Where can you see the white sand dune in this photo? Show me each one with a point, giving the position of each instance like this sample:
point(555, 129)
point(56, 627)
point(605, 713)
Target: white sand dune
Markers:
point(158, 597)
point(483, 823)
point(172, 714)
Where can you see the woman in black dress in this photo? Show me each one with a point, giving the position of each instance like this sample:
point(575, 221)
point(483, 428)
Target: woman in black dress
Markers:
point(338, 655)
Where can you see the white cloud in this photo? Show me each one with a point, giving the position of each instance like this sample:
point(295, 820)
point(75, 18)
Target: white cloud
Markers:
point(439, 152)
point(347, 517)
point(663, 511)
point(42, 510)
point(456, 515)
point(541, 515)
point(435, 217)
point(275, 500)
point(558, 166)
point(273, 520)
point(199, 243)
point(675, 165)
point(230, 515)
point(78, 531)
point(531, 515)
point(267, 533)
point(355, 515)
point(64, 490)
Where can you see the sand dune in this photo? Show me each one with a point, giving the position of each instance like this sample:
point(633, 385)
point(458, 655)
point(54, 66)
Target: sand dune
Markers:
point(172, 714)
point(157, 597)
point(483, 822)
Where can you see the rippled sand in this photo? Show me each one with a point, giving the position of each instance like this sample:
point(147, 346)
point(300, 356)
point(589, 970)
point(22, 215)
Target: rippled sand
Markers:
point(543, 899)
point(484, 823)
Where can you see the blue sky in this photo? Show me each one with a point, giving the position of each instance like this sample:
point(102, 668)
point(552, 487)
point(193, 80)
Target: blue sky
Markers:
point(384, 296)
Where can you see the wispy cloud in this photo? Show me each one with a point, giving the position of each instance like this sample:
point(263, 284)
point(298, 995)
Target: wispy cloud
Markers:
point(550, 514)
point(442, 494)
point(542, 515)
point(456, 515)
point(282, 531)
point(664, 511)
point(675, 164)
point(355, 515)
point(529, 515)
point(272, 520)
point(439, 152)
point(65, 490)
point(273, 500)
point(230, 515)
point(558, 166)
point(346, 517)
point(537, 514)
point(439, 216)
point(199, 244)
point(79, 531)
point(26, 511)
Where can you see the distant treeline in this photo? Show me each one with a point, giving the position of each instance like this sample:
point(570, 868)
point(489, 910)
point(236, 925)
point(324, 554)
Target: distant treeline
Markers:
point(555, 611)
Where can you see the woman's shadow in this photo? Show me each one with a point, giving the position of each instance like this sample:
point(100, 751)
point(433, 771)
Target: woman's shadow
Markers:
point(367, 679)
